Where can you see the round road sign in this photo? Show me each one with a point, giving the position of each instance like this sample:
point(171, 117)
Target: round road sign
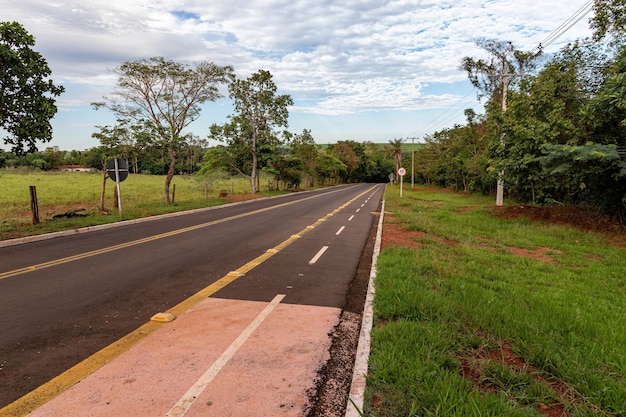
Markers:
point(402, 172)
point(122, 169)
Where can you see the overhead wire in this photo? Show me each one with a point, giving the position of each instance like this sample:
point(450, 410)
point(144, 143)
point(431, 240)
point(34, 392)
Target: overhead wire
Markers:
point(452, 112)
point(565, 26)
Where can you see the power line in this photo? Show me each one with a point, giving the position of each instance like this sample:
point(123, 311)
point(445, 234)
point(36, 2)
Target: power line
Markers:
point(565, 26)
point(451, 112)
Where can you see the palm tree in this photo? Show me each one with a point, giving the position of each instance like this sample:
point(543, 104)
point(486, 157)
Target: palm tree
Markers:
point(395, 152)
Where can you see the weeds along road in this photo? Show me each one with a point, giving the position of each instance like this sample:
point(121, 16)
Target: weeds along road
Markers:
point(64, 299)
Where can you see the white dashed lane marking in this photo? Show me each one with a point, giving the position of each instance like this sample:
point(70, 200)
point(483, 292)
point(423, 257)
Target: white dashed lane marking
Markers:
point(318, 255)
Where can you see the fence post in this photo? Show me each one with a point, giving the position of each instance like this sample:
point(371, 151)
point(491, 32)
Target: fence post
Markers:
point(34, 205)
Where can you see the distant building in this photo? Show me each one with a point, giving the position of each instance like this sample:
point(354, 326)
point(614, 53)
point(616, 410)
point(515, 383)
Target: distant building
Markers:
point(74, 168)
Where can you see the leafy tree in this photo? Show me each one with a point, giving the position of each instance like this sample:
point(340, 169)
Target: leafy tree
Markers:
point(303, 147)
point(238, 137)
point(259, 111)
point(216, 159)
point(110, 139)
point(347, 154)
point(588, 174)
point(493, 77)
point(609, 18)
point(26, 93)
point(192, 152)
point(168, 95)
point(376, 164)
point(330, 167)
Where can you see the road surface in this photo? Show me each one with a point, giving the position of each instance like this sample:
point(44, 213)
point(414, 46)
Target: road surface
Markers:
point(263, 283)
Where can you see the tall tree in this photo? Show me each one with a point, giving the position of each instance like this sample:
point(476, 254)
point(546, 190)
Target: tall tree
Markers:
point(261, 110)
point(167, 94)
point(26, 93)
point(492, 78)
point(304, 148)
point(395, 152)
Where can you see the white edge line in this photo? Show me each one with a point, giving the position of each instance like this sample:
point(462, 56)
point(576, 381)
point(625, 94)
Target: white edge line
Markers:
point(318, 255)
point(357, 387)
point(187, 400)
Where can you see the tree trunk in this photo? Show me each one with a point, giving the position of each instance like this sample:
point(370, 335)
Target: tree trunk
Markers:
point(254, 163)
point(170, 174)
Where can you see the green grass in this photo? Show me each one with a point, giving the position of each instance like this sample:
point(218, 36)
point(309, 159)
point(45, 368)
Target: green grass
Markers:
point(142, 195)
point(441, 304)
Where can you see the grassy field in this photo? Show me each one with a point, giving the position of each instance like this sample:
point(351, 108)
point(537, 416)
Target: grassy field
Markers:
point(142, 195)
point(476, 315)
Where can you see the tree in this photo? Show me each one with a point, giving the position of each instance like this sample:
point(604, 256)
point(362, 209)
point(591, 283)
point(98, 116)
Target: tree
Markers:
point(259, 110)
point(347, 154)
point(304, 148)
point(609, 18)
point(395, 152)
point(492, 78)
point(111, 139)
point(168, 95)
point(26, 93)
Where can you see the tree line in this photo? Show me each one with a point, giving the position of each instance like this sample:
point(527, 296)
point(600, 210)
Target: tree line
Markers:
point(553, 131)
point(155, 99)
point(554, 128)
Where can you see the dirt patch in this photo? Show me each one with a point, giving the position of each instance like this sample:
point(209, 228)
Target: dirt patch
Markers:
point(241, 197)
point(539, 254)
point(474, 364)
point(582, 218)
point(395, 236)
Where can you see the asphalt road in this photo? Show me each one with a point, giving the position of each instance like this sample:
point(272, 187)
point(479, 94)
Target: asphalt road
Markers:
point(63, 299)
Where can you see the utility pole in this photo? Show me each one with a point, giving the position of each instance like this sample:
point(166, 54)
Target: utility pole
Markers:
point(506, 79)
point(412, 161)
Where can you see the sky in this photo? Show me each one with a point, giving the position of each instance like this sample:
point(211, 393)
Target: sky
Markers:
point(365, 70)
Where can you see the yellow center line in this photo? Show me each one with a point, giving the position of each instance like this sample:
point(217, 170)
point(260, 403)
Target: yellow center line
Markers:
point(113, 248)
point(61, 383)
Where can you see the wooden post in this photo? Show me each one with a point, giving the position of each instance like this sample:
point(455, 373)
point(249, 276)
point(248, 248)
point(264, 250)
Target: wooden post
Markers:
point(117, 188)
point(34, 204)
point(173, 193)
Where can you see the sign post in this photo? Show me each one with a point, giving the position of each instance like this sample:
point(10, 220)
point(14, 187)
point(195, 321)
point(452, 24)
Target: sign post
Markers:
point(401, 173)
point(117, 169)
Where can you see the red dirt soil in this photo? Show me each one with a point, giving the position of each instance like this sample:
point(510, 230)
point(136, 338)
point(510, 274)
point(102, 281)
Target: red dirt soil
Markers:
point(473, 363)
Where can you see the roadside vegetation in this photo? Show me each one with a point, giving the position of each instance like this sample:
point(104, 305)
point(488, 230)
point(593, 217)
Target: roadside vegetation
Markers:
point(59, 193)
point(483, 311)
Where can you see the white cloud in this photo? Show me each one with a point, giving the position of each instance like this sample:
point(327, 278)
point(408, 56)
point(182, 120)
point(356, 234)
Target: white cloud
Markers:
point(333, 57)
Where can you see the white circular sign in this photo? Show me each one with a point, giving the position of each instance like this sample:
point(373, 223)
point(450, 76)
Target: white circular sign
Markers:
point(402, 172)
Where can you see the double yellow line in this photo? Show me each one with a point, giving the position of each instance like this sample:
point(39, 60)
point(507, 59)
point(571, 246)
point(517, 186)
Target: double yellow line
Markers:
point(78, 372)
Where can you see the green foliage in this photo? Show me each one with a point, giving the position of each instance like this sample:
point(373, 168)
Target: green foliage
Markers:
point(609, 18)
point(26, 93)
point(258, 112)
point(165, 96)
point(464, 285)
point(556, 135)
point(591, 173)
